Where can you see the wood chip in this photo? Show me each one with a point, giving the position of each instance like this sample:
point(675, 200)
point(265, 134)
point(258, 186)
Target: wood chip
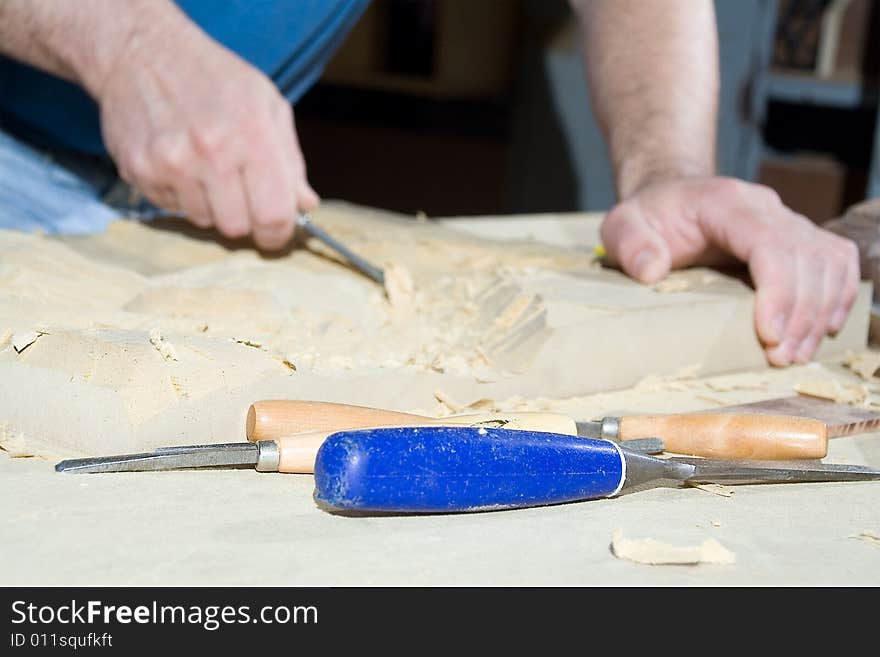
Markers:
point(247, 342)
point(863, 363)
point(868, 536)
point(448, 402)
point(399, 286)
point(165, 348)
point(22, 341)
point(842, 393)
point(655, 553)
point(5, 339)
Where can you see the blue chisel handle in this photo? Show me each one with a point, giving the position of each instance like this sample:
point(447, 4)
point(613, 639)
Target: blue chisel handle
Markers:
point(454, 469)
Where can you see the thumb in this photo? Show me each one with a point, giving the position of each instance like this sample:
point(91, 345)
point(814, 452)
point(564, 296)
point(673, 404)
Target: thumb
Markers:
point(634, 244)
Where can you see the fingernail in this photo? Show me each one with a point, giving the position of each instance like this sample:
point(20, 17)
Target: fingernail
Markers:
point(837, 320)
point(777, 326)
point(646, 265)
point(783, 352)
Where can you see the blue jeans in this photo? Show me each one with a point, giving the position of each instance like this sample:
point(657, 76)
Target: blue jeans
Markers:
point(61, 193)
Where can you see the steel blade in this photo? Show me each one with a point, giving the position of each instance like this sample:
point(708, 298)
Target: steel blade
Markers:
point(228, 455)
point(755, 472)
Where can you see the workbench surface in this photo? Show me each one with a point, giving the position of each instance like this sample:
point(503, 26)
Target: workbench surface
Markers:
point(246, 528)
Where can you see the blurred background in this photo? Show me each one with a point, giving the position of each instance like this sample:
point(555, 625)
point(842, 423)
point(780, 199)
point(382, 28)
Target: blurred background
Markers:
point(456, 107)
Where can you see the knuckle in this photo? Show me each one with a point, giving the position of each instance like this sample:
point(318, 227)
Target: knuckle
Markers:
point(138, 168)
point(170, 152)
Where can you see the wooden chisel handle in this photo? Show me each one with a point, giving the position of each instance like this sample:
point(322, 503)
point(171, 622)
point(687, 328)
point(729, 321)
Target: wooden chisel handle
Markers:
point(730, 436)
point(272, 419)
point(297, 453)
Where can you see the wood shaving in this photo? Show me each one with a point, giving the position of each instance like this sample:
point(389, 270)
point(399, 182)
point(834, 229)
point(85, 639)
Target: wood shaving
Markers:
point(5, 339)
point(655, 553)
point(165, 348)
point(21, 341)
point(247, 342)
point(864, 363)
point(448, 402)
point(741, 382)
point(675, 381)
point(399, 286)
point(716, 489)
point(842, 393)
point(672, 285)
point(868, 536)
point(15, 445)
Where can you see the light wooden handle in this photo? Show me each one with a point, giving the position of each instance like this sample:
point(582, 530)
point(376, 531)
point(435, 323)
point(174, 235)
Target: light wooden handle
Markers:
point(272, 419)
point(729, 436)
point(297, 453)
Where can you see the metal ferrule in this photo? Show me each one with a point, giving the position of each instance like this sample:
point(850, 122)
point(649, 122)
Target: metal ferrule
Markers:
point(611, 428)
point(268, 456)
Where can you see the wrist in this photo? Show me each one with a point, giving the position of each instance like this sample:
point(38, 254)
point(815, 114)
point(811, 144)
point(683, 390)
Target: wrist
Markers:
point(114, 35)
point(636, 173)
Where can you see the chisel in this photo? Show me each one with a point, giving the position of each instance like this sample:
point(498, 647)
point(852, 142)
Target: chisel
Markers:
point(719, 435)
point(461, 469)
point(276, 418)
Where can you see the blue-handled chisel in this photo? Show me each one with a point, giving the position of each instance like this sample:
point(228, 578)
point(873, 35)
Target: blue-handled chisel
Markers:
point(457, 469)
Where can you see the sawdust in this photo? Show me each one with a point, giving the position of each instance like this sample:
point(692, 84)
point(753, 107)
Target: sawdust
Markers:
point(655, 553)
point(165, 348)
point(863, 363)
point(842, 393)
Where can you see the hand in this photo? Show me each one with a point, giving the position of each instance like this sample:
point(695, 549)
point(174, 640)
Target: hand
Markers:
point(201, 132)
point(806, 277)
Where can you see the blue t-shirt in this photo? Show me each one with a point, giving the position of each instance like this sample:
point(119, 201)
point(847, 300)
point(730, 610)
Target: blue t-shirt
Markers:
point(289, 40)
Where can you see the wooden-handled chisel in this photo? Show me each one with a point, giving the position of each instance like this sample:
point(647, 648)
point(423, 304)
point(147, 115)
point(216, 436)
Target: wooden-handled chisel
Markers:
point(278, 418)
point(718, 435)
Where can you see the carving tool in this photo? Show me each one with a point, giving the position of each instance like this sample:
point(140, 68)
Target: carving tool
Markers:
point(460, 469)
point(275, 418)
point(291, 454)
point(720, 435)
point(367, 268)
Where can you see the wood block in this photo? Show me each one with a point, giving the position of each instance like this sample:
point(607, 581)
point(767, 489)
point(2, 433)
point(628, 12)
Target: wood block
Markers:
point(156, 334)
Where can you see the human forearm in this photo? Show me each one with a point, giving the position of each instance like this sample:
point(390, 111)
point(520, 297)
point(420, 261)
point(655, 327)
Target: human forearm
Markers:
point(653, 73)
point(83, 40)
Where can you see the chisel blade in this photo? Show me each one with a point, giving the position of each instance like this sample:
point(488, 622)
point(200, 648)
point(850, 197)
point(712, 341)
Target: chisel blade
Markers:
point(718, 471)
point(227, 455)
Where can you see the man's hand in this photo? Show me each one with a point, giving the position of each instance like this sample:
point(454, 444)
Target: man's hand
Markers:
point(190, 124)
point(806, 278)
point(201, 132)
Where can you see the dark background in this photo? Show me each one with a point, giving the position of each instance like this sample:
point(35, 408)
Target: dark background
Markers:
point(452, 107)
